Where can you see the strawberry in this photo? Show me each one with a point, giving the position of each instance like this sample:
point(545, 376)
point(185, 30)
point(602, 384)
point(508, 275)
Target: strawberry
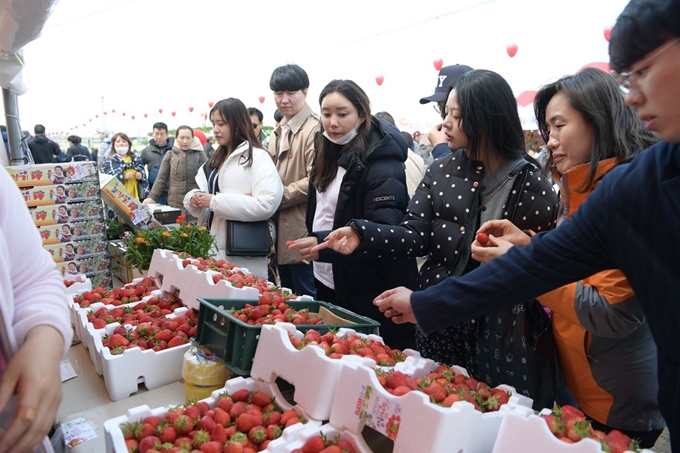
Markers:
point(260, 398)
point(167, 434)
point(183, 424)
point(193, 412)
point(206, 423)
point(148, 443)
point(118, 340)
point(183, 443)
point(221, 416)
point(577, 429)
point(401, 390)
point(247, 421)
point(483, 239)
point(568, 412)
point(211, 447)
point(396, 379)
point(146, 431)
point(272, 417)
point(164, 335)
point(131, 444)
point(292, 421)
point(314, 444)
point(200, 437)
point(241, 395)
point(219, 434)
point(618, 442)
point(216, 278)
point(234, 447)
point(257, 434)
point(554, 424)
point(273, 431)
point(332, 449)
point(436, 391)
point(450, 399)
point(345, 445)
point(203, 407)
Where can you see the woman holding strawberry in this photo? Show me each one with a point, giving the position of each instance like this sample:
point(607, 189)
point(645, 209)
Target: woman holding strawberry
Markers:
point(126, 166)
point(605, 346)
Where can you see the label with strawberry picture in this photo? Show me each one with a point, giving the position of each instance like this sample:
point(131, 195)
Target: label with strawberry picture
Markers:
point(379, 412)
point(66, 194)
point(67, 213)
point(48, 174)
point(77, 431)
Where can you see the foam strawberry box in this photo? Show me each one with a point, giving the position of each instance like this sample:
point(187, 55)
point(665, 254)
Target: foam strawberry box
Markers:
point(522, 430)
point(149, 353)
point(301, 357)
point(246, 411)
point(436, 412)
point(183, 274)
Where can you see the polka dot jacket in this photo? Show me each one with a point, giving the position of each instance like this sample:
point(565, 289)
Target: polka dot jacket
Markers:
point(440, 223)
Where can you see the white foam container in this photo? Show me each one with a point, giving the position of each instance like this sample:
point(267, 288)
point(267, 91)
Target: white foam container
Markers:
point(81, 284)
point(276, 357)
point(361, 401)
point(124, 372)
point(115, 441)
point(523, 430)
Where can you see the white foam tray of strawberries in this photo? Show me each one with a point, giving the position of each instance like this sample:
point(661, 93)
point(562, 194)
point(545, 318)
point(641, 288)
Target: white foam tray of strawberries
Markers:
point(276, 357)
point(80, 284)
point(290, 440)
point(192, 283)
point(115, 441)
point(523, 430)
point(411, 420)
point(124, 372)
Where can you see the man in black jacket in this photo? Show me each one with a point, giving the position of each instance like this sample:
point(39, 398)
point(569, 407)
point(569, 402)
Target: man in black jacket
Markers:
point(152, 155)
point(44, 150)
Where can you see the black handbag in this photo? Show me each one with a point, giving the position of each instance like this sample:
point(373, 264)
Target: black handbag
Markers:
point(243, 238)
point(248, 238)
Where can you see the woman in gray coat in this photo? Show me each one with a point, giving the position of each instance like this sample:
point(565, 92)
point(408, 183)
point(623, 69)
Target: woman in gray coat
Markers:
point(178, 170)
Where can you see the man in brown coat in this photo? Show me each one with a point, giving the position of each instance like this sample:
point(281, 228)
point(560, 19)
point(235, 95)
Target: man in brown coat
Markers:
point(292, 147)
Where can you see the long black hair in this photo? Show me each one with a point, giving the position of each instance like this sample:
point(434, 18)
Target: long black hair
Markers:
point(327, 152)
point(617, 132)
point(488, 114)
point(234, 113)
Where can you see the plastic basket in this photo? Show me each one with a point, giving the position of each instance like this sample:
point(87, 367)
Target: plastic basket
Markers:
point(235, 341)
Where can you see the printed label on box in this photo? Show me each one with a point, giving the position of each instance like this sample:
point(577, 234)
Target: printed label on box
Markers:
point(73, 213)
point(48, 174)
point(61, 193)
point(378, 413)
point(72, 232)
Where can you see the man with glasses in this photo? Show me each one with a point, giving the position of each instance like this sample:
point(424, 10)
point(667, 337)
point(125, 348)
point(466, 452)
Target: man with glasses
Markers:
point(256, 117)
point(292, 147)
point(630, 222)
point(448, 76)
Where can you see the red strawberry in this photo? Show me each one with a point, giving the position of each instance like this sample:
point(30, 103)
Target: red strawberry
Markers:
point(261, 399)
point(225, 403)
point(146, 431)
point(148, 443)
point(332, 449)
point(241, 395)
point(221, 416)
point(483, 239)
point(451, 399)
point(257, 434)
point(203, 407)
point(192, 411)
point(401, 390)
point(206, 423)
point(211, 447)
point(554, 424)
point(396, 379)
point(200, 437)
point(131, 444)
point(273, 432)
point(577, 429)
point(234, 447)
point(167, 434)
point(436, 391)
point(346, 445)
point(314, 444)
point(247, 421)
point(183, 424)
point(216, 278)
point(219, 434)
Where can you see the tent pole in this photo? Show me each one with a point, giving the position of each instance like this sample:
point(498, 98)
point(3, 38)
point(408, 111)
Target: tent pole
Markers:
point(13, 130)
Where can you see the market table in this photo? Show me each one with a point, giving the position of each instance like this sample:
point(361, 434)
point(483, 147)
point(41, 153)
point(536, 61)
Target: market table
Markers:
point(85, 396)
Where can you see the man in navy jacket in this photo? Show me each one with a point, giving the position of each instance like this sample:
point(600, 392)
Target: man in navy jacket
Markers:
point(630, 222)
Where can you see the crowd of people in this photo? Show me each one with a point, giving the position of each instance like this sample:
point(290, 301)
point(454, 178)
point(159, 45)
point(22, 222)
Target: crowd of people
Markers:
point(481, 245)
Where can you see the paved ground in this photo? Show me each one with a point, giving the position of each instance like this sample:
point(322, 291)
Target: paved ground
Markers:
point(663, 443)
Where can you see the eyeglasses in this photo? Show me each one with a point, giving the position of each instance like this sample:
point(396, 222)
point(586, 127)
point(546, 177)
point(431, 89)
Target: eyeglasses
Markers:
point(630, 79)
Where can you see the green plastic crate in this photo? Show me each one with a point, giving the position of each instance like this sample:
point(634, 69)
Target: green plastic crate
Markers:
point(235, 341)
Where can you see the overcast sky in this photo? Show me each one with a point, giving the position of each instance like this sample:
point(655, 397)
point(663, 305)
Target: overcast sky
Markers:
point(138, 56)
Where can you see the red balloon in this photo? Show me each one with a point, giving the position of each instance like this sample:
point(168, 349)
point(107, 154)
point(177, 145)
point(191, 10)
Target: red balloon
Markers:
point(132, 116)
point(84, 124)
point(96, 116)
point(210, 104)
point(105, 113)
point(160, 110)
point(113, 110)
point(90, 119)
point(379, 80)
point(145, 115)
point(173, 113)
point(512, 49)
point(438, 63)
point(191, 109)
point(123, 114)
point(261, 98)
point(526, 97)
point(607, 32)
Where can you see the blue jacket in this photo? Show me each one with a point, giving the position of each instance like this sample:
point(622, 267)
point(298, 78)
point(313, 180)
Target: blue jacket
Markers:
point(629, 223)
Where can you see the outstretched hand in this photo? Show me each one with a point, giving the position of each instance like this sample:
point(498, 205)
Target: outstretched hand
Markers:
point(505, 230)
point(493, 248)
point(396, 304)
point(304, 247)
point(343, 240)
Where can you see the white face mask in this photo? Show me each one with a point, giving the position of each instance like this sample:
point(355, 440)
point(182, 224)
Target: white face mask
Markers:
point(123, 150)
point(345, 139)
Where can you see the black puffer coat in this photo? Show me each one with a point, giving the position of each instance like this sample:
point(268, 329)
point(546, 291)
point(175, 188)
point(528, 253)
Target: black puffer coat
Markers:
point(373, 189)
point(441, 222)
